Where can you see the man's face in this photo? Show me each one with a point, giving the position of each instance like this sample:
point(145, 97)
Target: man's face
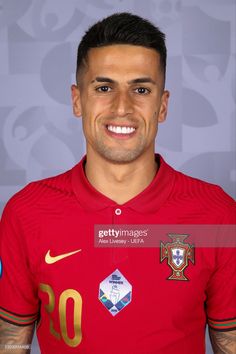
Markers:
point(121, 100)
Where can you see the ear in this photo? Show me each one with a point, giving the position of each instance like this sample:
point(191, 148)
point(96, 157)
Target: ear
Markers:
point(164, 107)
point(76, 101)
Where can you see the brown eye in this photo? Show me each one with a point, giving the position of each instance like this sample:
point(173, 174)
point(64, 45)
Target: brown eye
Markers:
point(103, 89)
point(142, 90)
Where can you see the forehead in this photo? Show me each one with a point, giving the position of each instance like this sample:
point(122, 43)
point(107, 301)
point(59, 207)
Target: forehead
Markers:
point(123, 59)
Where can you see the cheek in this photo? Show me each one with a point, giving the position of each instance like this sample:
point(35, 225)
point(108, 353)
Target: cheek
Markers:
point(98, 99)
point(95, 107)
point(90, 119)
point(153, 123)
point(153, 117)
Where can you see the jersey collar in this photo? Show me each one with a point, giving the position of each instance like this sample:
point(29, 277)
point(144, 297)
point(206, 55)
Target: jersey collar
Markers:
point(149, 200)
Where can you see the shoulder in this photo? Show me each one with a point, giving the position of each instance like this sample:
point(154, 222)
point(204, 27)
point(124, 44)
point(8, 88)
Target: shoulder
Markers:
point(204, 195)
point(35, 193)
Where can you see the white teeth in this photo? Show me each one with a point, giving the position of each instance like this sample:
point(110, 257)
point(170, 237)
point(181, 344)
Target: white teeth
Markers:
point(120, 130)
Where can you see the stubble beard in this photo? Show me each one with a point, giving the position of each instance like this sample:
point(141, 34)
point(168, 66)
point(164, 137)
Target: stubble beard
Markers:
point(120, 155)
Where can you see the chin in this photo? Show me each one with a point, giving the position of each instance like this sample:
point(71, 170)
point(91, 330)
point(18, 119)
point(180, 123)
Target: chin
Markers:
point(121, 157)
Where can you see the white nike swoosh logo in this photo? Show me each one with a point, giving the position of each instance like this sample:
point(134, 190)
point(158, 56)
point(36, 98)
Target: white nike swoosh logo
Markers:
point(53, 259)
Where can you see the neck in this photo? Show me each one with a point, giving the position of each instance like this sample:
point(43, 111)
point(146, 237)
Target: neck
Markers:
point(120, 182)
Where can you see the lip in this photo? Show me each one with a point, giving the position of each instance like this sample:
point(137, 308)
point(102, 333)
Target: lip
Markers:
point(120, 135)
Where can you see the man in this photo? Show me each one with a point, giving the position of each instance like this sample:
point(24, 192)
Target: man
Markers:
point(116, 300)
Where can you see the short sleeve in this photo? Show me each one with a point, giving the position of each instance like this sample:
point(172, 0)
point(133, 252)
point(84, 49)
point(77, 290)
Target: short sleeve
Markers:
point(18, 293)
point(221, 290)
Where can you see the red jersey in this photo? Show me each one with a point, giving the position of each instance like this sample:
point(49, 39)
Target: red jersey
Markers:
point(114, 300)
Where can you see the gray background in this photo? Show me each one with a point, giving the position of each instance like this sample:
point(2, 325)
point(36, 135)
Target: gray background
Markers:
point(38, 39)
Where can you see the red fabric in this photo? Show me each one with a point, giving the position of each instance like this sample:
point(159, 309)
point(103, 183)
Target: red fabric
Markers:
point(164, 316)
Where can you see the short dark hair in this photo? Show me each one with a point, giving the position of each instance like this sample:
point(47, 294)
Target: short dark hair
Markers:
point(122, 28)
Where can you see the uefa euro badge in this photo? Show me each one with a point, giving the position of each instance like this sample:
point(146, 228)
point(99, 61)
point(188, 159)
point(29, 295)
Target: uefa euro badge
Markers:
point(115, 292)
point(178, 254)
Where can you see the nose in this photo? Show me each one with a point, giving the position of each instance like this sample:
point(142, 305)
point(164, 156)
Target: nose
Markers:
point(122, 104)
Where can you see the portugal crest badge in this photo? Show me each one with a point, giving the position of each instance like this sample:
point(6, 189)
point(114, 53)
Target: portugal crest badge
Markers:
point(178, 254)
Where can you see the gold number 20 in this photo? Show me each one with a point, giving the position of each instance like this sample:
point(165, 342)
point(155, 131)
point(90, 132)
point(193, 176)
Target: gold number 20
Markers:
point(64, 297)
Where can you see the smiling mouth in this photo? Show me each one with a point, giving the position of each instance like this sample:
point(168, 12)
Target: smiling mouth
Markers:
point(120, 129)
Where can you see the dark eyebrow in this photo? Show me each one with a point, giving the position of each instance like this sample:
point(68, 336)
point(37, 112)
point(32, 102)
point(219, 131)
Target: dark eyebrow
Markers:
point(142, 80)
point(103, 79)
